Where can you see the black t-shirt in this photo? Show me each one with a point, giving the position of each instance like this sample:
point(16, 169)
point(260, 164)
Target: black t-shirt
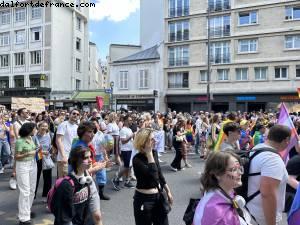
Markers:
point(293, 168)
point(147, 174)
point(176, 144)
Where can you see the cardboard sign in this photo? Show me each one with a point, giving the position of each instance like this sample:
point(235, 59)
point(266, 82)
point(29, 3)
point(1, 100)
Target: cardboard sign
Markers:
point(36, 105)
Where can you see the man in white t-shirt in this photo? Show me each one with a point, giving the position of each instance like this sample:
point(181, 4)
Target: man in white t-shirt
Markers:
point(65, 134)
point(126, 146)
point(268, 205)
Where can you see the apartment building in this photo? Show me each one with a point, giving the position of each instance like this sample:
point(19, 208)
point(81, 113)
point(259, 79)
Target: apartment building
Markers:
point(43, 52)
point(254, 54)
point(94, 77)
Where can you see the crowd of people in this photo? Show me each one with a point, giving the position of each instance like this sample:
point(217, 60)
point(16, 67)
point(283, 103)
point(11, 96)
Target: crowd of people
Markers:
point(84, 145)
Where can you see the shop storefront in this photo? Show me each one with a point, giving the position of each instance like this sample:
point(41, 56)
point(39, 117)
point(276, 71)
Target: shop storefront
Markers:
point(232, 102)
point(146, 104)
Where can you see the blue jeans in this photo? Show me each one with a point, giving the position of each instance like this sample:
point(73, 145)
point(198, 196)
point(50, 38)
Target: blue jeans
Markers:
point(4, 152)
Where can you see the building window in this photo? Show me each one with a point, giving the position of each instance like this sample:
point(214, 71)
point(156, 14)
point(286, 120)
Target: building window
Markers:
point(260, 73)
point(78, 44)
point(35, 34)
point(179, 31)
point(144, 79)
point(179, 8)
point(292, 42)
point(5, 17)
point(298, 71)
point(179, 56)
point(19, 81)
point(4, 61)
point(20, 37)
point(248, 46)
point(36, 13)
point(219, 26)
point(35, 82)
point(123, 81)
point(4, 83)
point(281, 73)
point(78, 62)
point(242, 74)
point(218, 5)
point(36, 57)
point(20, 15)
point(248, 18)
point(78, 83)
point(220, 52)
point(223, 74)
point(78, 23)
point(203, 75)
point(19, 59)
point(292, 13)
point(178, 80)
point(4, 39)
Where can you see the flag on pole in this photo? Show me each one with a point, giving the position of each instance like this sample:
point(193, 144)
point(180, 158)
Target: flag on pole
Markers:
point(285, 119)
point(294, 214)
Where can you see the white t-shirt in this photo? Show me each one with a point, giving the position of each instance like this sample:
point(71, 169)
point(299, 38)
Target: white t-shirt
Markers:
point(69, 132)
point(97, 142)
point(113, 129)
point(270, 165)
point(126, 133)
point(17, 125)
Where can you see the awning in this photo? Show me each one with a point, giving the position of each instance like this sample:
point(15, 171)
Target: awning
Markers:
point(90, 96)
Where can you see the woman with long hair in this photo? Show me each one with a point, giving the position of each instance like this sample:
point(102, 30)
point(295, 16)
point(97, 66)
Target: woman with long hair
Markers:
point(114, 130)
point(150, 182)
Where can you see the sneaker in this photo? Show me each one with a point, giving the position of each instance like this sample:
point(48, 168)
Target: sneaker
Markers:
point(2, 170)
point(13, 183)
point(25, 223)
point(128, 184)
point(188, 165)
point(182, 169)
point(173, 169)
point(160, 161)
point(158, 154)
point(116, 184)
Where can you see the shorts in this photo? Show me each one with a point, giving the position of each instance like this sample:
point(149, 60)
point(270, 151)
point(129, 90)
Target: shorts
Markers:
point(126, 156)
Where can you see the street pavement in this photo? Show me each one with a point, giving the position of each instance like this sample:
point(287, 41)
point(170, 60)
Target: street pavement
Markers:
point(119, 210)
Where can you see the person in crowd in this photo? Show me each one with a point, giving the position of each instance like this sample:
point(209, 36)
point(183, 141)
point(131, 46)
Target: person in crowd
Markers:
point(26, 171)
point(65, 134)
point(233, 134)
point(215, 130)
point(198, 132)
point(189, 134)
point(21, 119)
point(178, 143)
point(259, 134)
point(269, 187)
point(245, 139)
point(126, 147)
point(4, 145)
point(113, 129)
point(203, 136)
point(44, 140)
point(168, 133)
point(77, 204)
point(150, 179)
point(219, 205)
point(101, 149)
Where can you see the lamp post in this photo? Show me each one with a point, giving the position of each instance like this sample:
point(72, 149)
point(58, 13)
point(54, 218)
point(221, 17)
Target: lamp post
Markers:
point(111, 84)
point(208, 61)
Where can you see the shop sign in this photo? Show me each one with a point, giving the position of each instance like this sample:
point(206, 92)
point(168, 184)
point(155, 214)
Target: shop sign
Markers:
point(202, 98)
point(289, 98)
point(246, 98)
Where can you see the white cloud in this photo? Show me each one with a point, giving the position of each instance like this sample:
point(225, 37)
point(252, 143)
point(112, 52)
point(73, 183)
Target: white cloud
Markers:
point(113, 10)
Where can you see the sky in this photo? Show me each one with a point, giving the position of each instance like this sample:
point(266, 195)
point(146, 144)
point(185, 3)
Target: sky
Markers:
point(114, 22)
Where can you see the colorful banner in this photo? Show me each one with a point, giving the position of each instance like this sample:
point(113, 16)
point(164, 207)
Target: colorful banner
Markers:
point(222, 136)
point(285, 119)
point(100, 102)
point(294, 214)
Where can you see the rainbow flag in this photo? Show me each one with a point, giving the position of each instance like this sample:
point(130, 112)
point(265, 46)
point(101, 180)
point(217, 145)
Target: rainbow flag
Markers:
point(39, 154)
point(222, 136)
point(294, 214)
point(285, 119)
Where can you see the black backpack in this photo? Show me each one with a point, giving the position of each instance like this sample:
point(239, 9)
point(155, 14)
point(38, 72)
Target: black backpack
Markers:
point(246, 161)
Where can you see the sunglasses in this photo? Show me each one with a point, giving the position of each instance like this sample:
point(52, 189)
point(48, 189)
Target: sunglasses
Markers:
point(75, 114)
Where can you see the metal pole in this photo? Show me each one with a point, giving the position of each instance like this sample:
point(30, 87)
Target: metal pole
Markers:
point(208, 61)
point(112, 99)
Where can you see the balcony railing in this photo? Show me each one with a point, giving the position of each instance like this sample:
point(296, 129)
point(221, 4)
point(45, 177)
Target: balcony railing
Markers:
point(220, 59)
point(220, 6)
point(179, 11)
point(220, 31)
point(179, 36)
point(183, 61)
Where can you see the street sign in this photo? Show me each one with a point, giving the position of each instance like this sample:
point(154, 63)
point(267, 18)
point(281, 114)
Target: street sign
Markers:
point(107, 91)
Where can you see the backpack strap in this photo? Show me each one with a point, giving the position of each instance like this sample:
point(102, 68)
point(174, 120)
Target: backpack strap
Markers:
point(256, 152)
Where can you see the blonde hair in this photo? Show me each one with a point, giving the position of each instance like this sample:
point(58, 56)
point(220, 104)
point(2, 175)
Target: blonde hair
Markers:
point(141, 138)
point(112, 117)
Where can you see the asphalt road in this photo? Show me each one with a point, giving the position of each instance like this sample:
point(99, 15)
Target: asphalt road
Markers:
point(119, 210)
